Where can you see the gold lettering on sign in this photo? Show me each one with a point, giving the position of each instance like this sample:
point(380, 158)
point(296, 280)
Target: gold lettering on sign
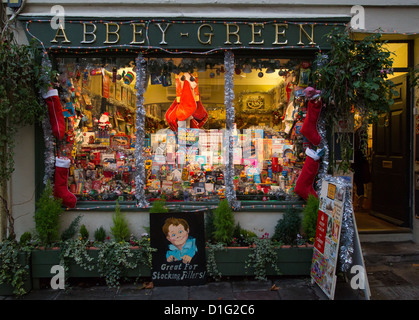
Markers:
point(91, 33)
point(135, 32)
point(257, 33)
point(234, 33)
point(207, 34)
point(58, 35)
point(311, 38)
point(280, 33)
point(115, 32)
point(163, 31)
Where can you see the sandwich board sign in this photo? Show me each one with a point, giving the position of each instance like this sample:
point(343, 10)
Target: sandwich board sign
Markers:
point(180, 243)
point(332, 202)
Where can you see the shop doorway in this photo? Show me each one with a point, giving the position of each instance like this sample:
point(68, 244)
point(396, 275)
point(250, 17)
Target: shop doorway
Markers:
point(386, 206)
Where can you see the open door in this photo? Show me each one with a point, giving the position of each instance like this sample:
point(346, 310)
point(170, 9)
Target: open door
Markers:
point(391, 160)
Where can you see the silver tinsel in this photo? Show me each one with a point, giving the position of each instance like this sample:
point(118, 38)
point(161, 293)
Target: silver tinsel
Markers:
point(324, 165)
point(347, 228)
point(140, 177)
point(347, 233)
point(49, 155)
point(346, 248)
point(230, 192)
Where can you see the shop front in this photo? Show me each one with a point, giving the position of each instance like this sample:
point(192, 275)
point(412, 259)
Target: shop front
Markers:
point(190, 111)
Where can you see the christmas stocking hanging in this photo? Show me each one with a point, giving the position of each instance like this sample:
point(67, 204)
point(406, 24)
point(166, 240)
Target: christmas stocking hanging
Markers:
point(61, 191)
point(304, 184)
point(314, 106)
point(55, 112)
point(200, 116)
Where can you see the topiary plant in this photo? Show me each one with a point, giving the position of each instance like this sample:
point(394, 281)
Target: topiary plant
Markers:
point(47, 216)
point(120, 229)
point(224, 223)
point(25, 238)
point(309, 222)
point(159, 207)
point(288, 227)
point(100, 234)
point(71, 230)
point(84, 234)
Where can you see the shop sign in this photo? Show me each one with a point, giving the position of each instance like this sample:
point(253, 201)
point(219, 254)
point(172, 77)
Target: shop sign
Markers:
point(180, 242)
point(326, 245)
point(333, 206)
point(190, 34)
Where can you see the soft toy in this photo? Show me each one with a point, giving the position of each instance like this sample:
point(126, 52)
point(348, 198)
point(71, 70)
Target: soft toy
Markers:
point(104, 121)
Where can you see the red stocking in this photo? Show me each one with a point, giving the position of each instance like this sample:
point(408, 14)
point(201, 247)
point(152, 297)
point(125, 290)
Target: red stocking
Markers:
point(309, 128)
point(61, 191)
point(55, 112)
point(200, 116)
point(304, 184)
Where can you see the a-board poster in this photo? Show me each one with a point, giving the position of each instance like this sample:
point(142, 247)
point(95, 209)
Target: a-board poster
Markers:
point(180, 242)
point(326, 245)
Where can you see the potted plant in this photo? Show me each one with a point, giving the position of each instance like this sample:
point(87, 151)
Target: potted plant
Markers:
point(242, 253)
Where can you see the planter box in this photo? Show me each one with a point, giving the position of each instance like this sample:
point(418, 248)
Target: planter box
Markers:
point(43, 260)
point(230, 262)
point(7, 289)
point(292, 261)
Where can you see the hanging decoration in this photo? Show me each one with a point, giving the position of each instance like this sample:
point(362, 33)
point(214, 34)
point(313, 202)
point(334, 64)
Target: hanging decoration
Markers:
point(140, 177)
point(347, 235)
point(230, 192)
point(49, 156)
point(187, 105)
point(346, 249)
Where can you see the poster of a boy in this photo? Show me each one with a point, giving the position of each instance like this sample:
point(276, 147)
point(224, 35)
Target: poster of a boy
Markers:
point(182, 246)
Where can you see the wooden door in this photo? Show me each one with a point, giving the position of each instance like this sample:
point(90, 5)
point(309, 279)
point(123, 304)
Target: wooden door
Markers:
point(391, 160)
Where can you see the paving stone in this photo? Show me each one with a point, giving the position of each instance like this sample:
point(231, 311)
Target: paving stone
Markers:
point(256, 295)
point(212, 291)
point(252, 285)
point(169, 293)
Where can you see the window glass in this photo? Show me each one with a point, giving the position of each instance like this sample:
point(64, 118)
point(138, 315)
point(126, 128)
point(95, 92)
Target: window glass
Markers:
point(400, 54)
point(270, 109)
point(185, 154)
point(185, 144)
point(99, 102)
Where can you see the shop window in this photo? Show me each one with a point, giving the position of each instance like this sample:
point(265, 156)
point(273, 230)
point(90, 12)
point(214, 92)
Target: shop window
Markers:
point(186, 150)
point(185, 144)
point(99, 103)
point(270, 109)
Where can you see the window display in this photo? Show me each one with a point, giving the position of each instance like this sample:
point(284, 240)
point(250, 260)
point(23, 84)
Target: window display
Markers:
point(185, 139)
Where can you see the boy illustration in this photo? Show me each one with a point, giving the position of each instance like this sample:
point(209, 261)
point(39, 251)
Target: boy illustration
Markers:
point(182, 246)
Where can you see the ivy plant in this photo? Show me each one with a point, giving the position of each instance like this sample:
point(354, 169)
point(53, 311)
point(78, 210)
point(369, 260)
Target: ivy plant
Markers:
point(353, 78)
point(13, 270)
point(262, 256)
point(21, 81)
